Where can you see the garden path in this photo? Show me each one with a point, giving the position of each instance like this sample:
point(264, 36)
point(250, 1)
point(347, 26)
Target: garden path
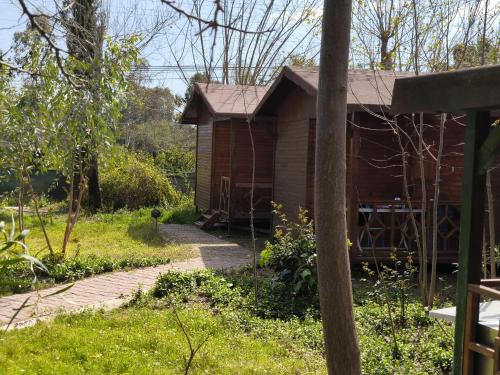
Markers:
point(109, 290)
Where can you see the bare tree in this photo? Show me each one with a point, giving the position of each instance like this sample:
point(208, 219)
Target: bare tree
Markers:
point(255, 38)
point(334, 276)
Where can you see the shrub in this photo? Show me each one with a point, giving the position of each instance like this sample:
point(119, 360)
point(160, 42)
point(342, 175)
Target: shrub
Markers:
point(176, 160)
point(184, 214)
point(132, 180)
point(293, 256)
point(81, 267)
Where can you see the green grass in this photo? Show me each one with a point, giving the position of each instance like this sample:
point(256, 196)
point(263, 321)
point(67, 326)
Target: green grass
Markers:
point(149, 341)
point(121, 235)
point(144, 337)
point(99, 243)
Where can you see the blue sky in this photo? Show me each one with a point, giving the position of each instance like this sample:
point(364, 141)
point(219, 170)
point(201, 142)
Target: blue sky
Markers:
point(11, 22)
point(140, 15)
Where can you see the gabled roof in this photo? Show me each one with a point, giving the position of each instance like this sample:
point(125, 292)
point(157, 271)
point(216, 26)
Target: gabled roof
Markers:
point(233, 101)
point(366, 88)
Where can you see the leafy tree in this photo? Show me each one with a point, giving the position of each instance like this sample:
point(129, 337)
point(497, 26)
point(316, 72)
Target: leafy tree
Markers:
point(46, 120)
point(472, 54)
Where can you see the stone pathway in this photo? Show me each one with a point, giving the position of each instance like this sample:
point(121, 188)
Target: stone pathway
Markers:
point(109, 290)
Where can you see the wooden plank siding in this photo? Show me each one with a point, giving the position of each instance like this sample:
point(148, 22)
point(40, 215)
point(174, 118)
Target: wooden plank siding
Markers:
point(221, 159)
point(291, 159)
point(203, 166)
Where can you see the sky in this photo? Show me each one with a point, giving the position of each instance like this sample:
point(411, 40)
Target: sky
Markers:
point(126, 13)
point(140, 15)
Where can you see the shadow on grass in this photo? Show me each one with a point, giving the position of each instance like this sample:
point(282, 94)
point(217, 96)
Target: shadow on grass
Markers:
point(146, 233)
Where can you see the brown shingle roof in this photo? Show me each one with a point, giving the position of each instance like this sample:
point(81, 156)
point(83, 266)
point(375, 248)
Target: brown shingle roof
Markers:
point(236, 101)
point(365, 87)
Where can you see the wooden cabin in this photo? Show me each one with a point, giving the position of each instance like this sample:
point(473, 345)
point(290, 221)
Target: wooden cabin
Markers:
point(226, 131)
point(379, 218)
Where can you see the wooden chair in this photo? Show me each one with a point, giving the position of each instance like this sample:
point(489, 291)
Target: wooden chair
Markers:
point(485, 289)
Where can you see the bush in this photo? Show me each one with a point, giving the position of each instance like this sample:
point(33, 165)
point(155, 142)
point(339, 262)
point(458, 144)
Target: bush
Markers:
point(184, 214)
point(132, 180)
point(293, 256)
point(422, 348)
point(176, 160)
point(19, 278)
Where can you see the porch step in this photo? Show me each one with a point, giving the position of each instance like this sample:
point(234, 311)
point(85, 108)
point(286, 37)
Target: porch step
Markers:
point(207, 220)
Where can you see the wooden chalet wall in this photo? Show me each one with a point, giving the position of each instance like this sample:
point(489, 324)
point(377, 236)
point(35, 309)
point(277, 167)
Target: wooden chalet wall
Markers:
point(224, 149)
point(203, 160)
point(232, 157)
point(292, 146)
point(221, 152)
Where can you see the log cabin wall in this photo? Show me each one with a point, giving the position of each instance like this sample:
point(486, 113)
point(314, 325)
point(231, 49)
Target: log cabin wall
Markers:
point(203, 160)
point(232, 157)
point(292, 130)
point(263, 134)
point(221, 158)
point(378, 163)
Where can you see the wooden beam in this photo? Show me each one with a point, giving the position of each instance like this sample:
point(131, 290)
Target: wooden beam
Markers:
point(456, 91)
point(471, 224)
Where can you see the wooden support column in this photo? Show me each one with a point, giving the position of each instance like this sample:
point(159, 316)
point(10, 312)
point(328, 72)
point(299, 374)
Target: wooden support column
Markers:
point(352, 196)
point(471, 236)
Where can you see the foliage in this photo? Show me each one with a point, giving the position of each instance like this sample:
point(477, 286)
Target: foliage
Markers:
point(150, 126)
point(13, 252)
point(149, 341)
point(183, 214)
point(292, 256)
point(19, 279)
point(470, 54)
point(149, 104)
point(132, 180)
point(176, 160)
point(424, 346)
point(101, 243)
point(58, 120)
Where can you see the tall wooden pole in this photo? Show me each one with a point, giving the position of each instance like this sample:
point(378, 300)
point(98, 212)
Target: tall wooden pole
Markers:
point(471, 234)
point(335, 290)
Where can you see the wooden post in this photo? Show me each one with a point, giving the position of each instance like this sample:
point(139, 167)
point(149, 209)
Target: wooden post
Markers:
point(471, 226)
point(352, 196)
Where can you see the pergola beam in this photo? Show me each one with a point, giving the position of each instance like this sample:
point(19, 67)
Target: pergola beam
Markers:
point(448, 92)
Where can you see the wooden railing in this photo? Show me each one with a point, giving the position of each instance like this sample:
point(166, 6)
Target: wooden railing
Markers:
point(385, 226)
point(474, 293)
point(262, 196)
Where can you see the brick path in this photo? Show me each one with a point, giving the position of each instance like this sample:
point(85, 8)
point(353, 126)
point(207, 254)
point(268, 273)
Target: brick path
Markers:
point(109, 290)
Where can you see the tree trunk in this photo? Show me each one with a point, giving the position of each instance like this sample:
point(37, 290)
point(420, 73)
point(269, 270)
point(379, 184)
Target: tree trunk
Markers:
point(423, 223)
point(94, 190)
point(334, 276)
point(432, 287)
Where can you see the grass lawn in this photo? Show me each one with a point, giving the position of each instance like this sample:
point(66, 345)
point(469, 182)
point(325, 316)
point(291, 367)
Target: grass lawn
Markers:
point(120, 235)
point(99, 243)
point(145, 337)
point(149, 341)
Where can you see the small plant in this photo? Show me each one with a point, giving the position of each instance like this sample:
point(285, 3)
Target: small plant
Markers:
point(392, 289)
point(293, 255)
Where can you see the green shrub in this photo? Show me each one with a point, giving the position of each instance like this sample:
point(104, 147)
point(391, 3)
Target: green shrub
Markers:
point(212, 287)
point(293, 256)
point(132, 180)
point(184, 214)
point(176, 160)
point(81, 267)
point(424, 346)
point(19, 278)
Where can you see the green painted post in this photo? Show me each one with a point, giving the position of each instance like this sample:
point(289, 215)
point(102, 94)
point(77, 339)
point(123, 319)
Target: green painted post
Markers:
point(471, 224)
